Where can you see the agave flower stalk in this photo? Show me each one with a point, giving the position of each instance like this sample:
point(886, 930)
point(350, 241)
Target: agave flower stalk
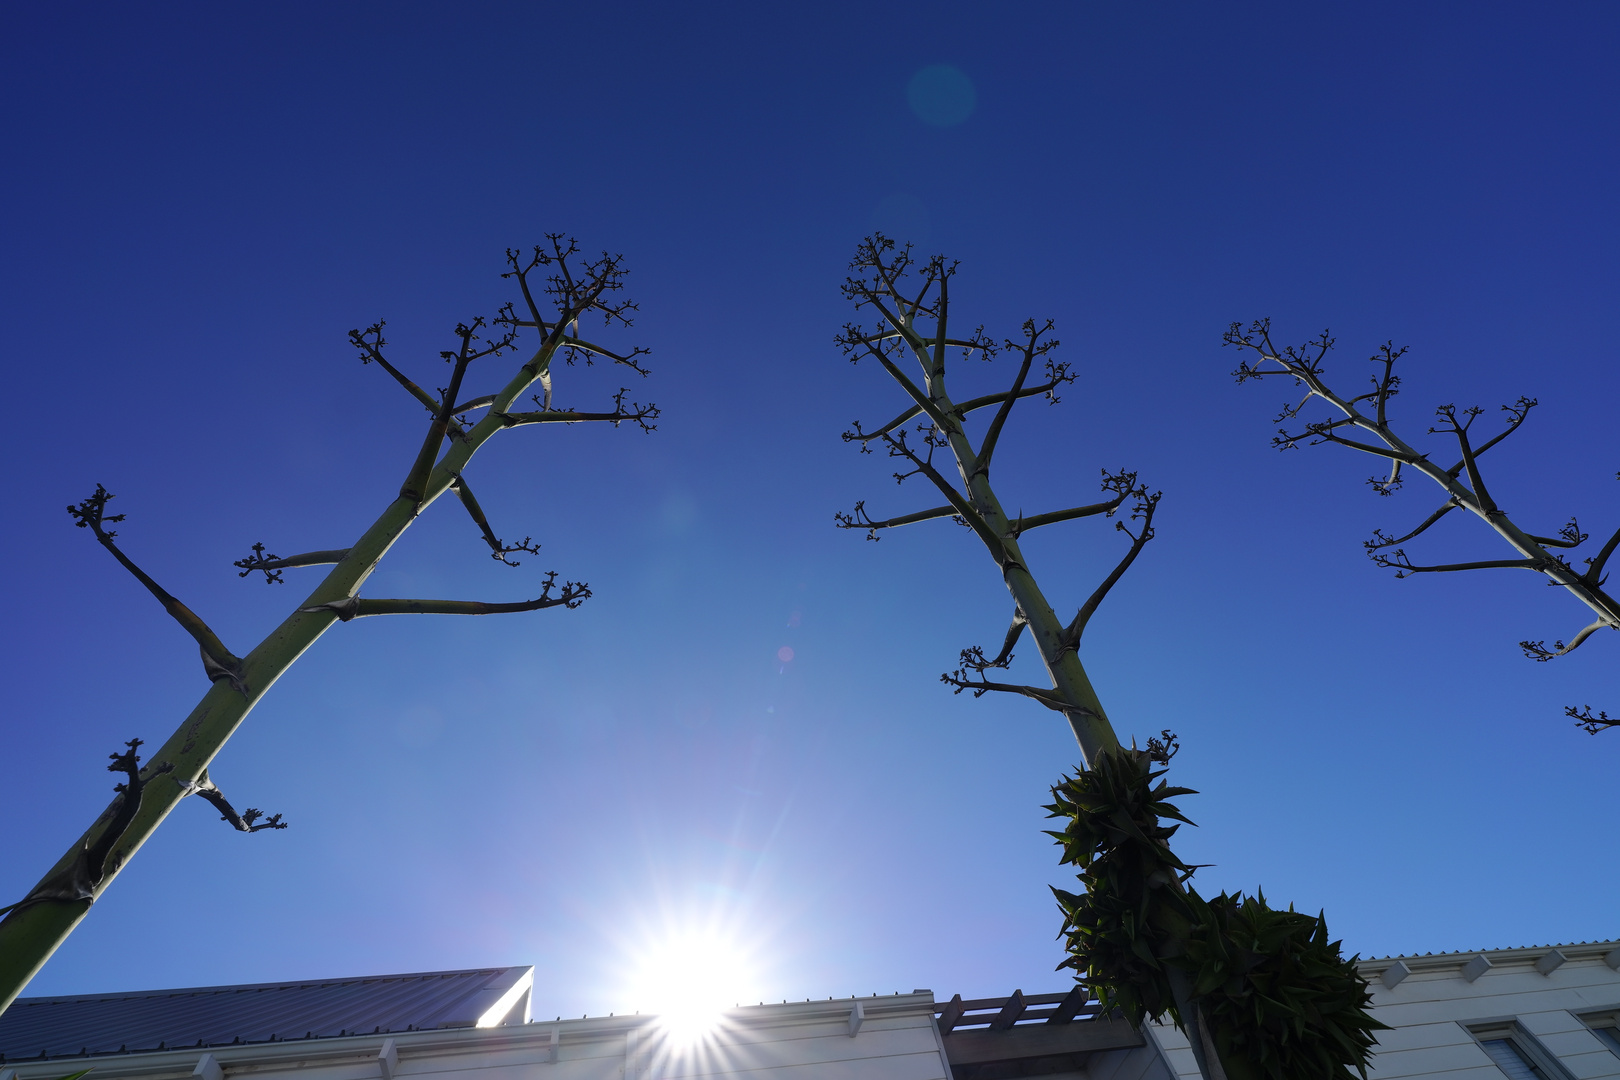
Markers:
point(914, 335)
point(1361, 422)
point(558, 288)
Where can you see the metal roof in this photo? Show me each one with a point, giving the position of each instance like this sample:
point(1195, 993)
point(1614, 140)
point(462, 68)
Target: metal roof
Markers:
point(35, 1028)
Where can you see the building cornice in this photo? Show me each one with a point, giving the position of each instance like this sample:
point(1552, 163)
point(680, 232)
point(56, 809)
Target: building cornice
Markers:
point(537, 1037)
point(1606, 951)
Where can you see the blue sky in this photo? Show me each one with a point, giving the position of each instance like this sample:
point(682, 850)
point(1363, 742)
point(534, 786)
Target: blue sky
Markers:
point(202, 201)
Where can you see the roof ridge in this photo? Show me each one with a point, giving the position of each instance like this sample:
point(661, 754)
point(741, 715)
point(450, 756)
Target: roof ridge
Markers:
point(1464, 954)
point(274, 984)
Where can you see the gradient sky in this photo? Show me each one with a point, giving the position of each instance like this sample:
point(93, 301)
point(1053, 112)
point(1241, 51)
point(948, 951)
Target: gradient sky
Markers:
point(202, 200)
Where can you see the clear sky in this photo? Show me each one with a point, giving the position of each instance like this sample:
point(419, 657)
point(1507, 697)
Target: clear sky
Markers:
point(200, 201)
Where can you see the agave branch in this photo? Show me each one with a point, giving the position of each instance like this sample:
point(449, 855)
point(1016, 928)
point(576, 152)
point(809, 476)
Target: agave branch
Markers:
point(1122, 484)
point(1380, 539)
point(78, 875)
point(572, 594)
point(247, 821)
point(636, 413)
point(1014, 631)
point(1593, 724)
point(472, 348)
point(857, 519)
point(1537, 650)
point(1398, 561)
point(1145, 506)
point(498, 550)
point(218, 661)
point(1032, 348)
point(272, 565)
point(974, 660)
point(371, 343)
point(1594, 566)
point(1463, 483)
point(962, 504)
point(965, 679)
point(1058, 375)
point(30, 932)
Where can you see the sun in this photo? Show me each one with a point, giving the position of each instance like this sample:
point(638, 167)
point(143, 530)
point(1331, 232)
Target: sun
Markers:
point(689, 980)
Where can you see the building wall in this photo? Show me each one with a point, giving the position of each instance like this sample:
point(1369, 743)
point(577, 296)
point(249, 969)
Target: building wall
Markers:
point(1432, 1006)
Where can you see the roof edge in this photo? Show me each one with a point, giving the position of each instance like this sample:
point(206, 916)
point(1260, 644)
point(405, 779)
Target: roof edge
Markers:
point(274, 984)
point(1579, 950)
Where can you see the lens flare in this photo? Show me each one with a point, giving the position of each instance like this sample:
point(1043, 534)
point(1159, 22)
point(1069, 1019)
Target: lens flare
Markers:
point(688, 981)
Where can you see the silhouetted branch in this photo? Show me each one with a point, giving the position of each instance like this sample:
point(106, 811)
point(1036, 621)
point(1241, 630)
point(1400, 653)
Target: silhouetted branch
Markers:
point(1397, 561)
point(1381, 539)
point(473, 347)
point(79, 879)
point(638, 414)
point(218, 661)
point(1317, 434)
point(849, 340)
point(1517, 412)
point(1569, 536)
point(247, 821)
point(1163, 748)
point(961, 679)
point(1594, 566)
point(1143, 512)
point(964, 508)
point(573, 594)
point(1537, 650)
point(1459, 428)
point(1593, 724)
point(858, 519)
point(1058, 374)
point(1123, 483)
point(370, 342)
point(272, 565)
point(129, 804)
point(475, 403)
point(1032, 347)
point(498, 550)
point(973, 658)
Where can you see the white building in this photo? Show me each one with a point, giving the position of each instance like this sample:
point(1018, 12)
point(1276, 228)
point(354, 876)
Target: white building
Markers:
point(1528, 1014)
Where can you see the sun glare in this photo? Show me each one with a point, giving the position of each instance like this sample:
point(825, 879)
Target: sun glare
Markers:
point(689, 981)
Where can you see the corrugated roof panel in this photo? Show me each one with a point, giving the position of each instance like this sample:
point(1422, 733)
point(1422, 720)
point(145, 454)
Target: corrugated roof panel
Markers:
point(257, 1012)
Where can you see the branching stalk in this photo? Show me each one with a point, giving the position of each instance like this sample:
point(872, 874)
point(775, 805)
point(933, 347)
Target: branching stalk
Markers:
point(32, 931)
point(1463, 483)
point(912, 303)
point(219, 662)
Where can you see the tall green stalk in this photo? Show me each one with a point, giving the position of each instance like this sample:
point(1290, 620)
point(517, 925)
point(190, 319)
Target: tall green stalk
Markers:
point(37, 925)
point(914, 335)
point(1139, 933)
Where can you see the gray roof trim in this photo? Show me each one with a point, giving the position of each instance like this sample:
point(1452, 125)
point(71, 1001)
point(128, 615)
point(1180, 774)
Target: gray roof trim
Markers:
point(1529, 954)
